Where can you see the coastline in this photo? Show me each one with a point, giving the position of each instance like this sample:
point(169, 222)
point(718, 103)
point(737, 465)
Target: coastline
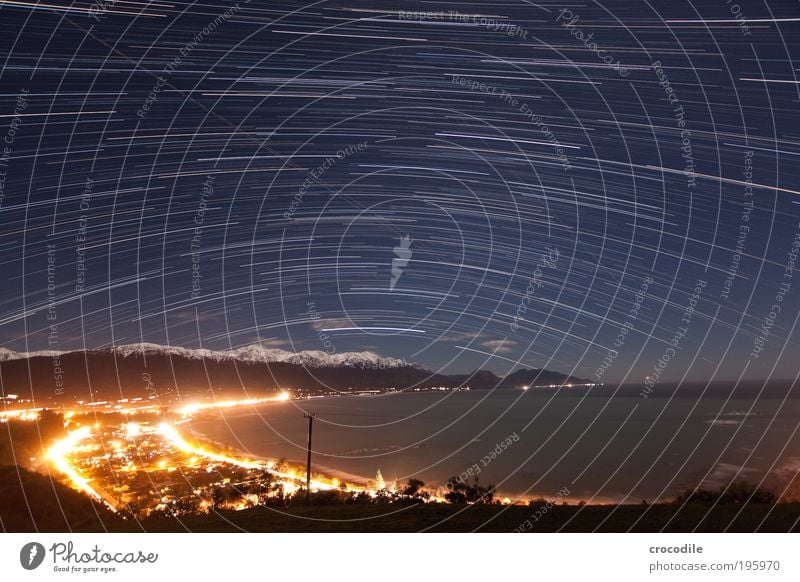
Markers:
point(361, 481)
point(324, 470)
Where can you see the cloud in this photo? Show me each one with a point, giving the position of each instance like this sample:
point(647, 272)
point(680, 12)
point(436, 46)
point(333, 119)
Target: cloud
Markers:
point(724, 473)
point(275, 343)
point(500, 346)
point(336, 322)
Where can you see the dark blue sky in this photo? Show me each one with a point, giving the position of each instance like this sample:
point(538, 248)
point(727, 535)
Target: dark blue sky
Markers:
point(480, 186)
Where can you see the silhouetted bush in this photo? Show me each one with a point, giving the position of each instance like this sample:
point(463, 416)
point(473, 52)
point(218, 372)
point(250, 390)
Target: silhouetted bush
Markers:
point(413, 490)
point(328, 497)
point(460, 491)
point(736, 493)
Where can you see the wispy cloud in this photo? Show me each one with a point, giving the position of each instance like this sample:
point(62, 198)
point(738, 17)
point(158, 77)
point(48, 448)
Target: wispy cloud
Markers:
point(500, 346)
point(337, 322)
point(275, 343)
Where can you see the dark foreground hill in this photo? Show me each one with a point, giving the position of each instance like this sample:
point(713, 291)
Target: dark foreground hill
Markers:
point(97, 375)
point(490, 518)
point(33, 502)
point(30, 502)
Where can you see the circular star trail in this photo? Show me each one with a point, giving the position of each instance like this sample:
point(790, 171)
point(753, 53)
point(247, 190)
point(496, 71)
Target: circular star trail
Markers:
point(606, 189)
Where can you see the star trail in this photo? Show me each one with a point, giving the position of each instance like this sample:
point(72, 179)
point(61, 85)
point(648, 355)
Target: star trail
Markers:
point(607, 189)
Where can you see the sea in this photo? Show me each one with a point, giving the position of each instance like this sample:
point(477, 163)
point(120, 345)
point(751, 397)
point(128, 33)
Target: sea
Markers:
point(599, 446)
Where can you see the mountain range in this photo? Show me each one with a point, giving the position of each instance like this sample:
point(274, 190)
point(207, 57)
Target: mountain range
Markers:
point(172, 373)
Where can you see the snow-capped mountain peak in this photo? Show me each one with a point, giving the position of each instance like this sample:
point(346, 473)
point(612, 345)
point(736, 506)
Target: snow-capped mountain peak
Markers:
point(251, 353)
point(6, 354)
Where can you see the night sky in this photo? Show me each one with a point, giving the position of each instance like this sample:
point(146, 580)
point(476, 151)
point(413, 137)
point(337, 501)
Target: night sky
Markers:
point(591, 187)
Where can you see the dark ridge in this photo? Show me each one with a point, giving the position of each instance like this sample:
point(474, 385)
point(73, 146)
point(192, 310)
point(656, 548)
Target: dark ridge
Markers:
point(102, 375)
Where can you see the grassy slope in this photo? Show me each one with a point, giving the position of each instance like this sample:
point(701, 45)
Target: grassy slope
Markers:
point(376, 518)
point(52, 507)
point(32, 502)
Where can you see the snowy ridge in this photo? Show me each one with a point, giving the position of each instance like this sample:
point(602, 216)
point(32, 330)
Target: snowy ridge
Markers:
point(251, 353)
point(6, 354)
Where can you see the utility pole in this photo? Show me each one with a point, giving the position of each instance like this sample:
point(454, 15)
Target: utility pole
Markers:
point(310, 418)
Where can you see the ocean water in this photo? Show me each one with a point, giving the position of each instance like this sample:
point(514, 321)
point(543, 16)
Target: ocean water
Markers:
point(601, 449)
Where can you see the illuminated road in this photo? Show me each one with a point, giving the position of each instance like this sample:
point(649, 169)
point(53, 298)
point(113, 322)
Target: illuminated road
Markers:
point(57, 455)
point(291, 479)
